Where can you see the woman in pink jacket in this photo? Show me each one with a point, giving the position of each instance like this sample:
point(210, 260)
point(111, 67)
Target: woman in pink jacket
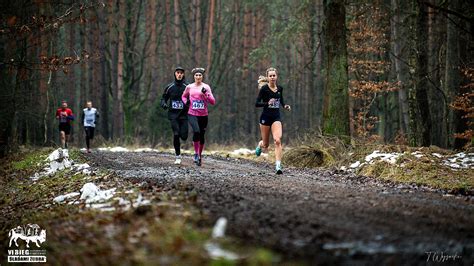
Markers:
point(200, 95)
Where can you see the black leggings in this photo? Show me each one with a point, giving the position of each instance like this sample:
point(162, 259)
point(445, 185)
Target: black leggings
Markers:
point(89, 135)
point(180, 130)
point(199, 125)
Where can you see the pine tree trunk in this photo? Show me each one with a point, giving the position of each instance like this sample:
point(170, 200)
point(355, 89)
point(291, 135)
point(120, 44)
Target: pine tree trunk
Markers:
point(336, 98)
point(118, 96)
point(399, 46)
point(177, 33)
point(211, 34)
point(438, 103)
point(422, 73)
point(103, 105)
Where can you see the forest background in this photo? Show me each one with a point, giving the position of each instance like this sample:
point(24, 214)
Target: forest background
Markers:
point(392, 71)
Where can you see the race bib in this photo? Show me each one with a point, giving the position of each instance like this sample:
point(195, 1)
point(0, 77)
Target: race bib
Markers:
point(198, 105)
point(275, 104)
point(89, 121)
point(177, 105)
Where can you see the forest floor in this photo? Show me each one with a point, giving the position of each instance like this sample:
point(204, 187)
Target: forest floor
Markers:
point(163, 213)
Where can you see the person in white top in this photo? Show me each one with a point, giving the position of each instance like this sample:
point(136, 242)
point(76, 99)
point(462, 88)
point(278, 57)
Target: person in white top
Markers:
point(89, 119)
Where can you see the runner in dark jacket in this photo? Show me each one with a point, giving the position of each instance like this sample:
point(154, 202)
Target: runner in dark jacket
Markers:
point(177, 110)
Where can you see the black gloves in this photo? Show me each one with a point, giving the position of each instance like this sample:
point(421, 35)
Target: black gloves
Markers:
point(203, 90)
point(163, 104)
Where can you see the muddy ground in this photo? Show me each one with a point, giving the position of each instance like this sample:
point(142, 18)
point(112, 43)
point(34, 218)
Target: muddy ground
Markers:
point(318, 216)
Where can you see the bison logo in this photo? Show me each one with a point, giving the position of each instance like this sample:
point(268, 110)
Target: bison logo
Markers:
point(28, 233)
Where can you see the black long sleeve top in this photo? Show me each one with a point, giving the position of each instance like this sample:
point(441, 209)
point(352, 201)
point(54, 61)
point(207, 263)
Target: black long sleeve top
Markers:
point(264, 96)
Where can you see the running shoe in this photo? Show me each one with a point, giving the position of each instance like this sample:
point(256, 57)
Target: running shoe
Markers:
point(258, 151)
point(278, 170)
point(196, 158)
point(199, 161)
point(177, 161)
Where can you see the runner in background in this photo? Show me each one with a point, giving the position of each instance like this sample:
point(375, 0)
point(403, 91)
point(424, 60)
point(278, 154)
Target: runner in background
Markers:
point(200, 95)
point(64, 116)
point(177, 110)
point(270, 97)
point(89, 119)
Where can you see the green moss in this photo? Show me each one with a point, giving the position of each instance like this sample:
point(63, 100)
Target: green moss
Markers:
point(422, 172)
point(31, 160)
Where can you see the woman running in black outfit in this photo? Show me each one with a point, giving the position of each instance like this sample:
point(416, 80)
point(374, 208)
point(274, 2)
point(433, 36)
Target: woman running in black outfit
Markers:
point(270, 98)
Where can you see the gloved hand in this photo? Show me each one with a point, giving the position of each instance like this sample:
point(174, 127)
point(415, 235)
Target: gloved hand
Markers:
point(163, 104)
point(203, 90)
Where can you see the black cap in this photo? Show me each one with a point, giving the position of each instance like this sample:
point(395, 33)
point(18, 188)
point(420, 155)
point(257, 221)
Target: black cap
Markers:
point(179, 68)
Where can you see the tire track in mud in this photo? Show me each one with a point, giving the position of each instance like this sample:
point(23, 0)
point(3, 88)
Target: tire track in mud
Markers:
point(322, 216)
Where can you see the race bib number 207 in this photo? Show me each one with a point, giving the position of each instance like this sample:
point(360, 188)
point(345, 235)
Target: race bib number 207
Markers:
point(198, 105)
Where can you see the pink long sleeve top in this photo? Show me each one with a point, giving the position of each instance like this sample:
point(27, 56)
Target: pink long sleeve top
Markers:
point(199, 100)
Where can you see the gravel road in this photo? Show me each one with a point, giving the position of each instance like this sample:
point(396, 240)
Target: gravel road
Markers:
point(323, 217)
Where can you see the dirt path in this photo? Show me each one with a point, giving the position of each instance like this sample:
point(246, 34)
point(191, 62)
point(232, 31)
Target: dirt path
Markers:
point(324, 217)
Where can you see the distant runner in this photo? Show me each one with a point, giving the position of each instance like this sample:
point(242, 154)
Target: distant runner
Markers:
point(200, 95)
point(177, 110)
point(270, 97)
point(89, 119)
point(64, 116)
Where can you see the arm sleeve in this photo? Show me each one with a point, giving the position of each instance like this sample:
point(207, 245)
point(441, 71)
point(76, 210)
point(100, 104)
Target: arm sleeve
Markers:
point(210, 97)
point(260, 102)
point(185, 95)
point(71, 115)
point(83, 116)
point(97, 115)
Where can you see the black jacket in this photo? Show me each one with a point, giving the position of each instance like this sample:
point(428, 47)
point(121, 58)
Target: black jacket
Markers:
point(172, 97)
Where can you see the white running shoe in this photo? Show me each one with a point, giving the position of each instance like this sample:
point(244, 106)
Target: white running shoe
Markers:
point(177, 161)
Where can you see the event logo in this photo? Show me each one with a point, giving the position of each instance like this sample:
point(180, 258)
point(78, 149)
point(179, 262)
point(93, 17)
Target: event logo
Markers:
point(29, 233)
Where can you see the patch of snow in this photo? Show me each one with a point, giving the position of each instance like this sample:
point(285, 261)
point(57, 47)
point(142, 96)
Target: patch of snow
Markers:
point(437, 155)
point(145, 150)
point(58, 154)
point(118, 149)
point(417, 154)
point(460, 161)
point(355, 165)
point(61, 198)
point(386, 157)
point(59, 160)
point(361, 247)
point(102, 206)
point(242, 151)
point(83, 166)
point(215, 251)
point(91, 193)
point(219, 228)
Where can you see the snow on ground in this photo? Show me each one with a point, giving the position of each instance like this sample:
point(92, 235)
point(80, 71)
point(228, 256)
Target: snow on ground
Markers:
point(213, 248)
point(242, 151)
point(456, 161)
point(91, 193)
point(460, 161)
point(59, 160)
point(61, 198)
point(102, 200)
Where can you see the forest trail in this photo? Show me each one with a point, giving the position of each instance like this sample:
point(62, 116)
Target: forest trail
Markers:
point(323, 216)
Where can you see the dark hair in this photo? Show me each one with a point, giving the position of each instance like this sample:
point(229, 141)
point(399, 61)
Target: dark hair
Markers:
point(198, 70)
